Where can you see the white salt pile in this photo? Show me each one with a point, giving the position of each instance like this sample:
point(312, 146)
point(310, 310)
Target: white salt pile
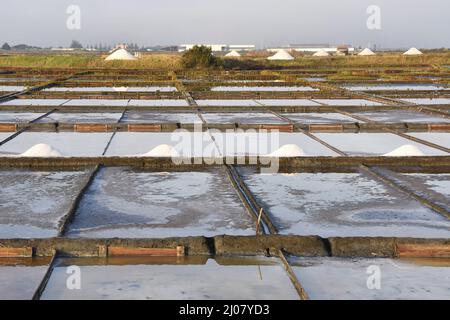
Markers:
point(162, 150)
point(120, 54)
point(413, 52)
point(281, 55)
point(366, 52)
point(405, 151)
point(288, 150)
point(321, 53)
point(233, 54)
point(41, 150)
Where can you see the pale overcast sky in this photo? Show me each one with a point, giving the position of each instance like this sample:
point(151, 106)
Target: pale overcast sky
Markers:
point(404, 23)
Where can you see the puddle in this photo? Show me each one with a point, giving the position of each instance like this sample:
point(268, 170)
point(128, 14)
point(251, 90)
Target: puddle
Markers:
point(187, 144)
point(428, 101)
point(231, 144)
point(342, 205)
point(18, 117)
point(348, 102)
point(263, 89)
point(61, 117)
point(398, 116)
point(69, 144)
point(222, 279)
point(111, 89)
point(128, 203)
point(439, 138)
point(396, 87)
point(33, 202)
point(372, 144)
point(347, 279)
point(19, 278)
point(319, 118)
point(160, 117)
point(243, 118)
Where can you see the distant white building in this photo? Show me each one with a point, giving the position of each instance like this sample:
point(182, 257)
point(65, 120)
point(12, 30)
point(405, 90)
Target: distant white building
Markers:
point(219, 47)
point(312, 48)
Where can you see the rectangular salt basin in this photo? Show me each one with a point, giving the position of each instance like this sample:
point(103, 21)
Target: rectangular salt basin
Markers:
point(396, 87)
point(68, 144)
point(12, 88)
point(78, 117)
point(261, 89)
point(397, 116)
point(185, 144)
point(319, 118)
point(346, 279)
point(235, 278)
point(128, 203)
point(286, 102)
point(347, 102)
point(35, 102)
point(159, 103)
point(439, 138)
point(111, 89)
point(240, 144)
point(342, 205)
point(428, 101)
point(375, 144)
point(32, 203)
point(160, 117)
point(20, 278)
point(97, 102)
point(242, 117)
point(228, 103)
point(18, 117)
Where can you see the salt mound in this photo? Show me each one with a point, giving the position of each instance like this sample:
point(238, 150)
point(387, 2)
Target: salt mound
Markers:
point(120, 54)
point(281, 55)
point(366, 52)
point(162, 150)
point(288, 150)
point(321, 53)
point(41, 150)
point(413, 52)
point(234, 54)
point(405, 151)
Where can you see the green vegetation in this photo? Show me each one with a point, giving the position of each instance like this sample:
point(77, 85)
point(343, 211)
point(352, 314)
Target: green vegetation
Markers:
point(199, 57)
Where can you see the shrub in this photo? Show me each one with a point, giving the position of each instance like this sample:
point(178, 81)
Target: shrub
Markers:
point(199, 57)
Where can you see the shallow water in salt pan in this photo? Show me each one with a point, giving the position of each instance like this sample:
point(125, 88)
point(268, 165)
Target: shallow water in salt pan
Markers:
point(342, 205)
point(243, 118)
point(128, 203)
point(18, 117)
point(319, 118)
point(397, 116)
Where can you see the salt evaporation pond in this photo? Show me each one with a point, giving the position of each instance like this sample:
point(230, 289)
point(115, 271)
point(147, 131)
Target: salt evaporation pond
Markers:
point(319, 118)
point(396, 87)
point(439, 138)
point(111, 89)
point(342, 205)
point(397, 116)
point(12, 88)
point(236, 278)
point(346, 279)
point(18, 117)
point(131, 203)
point(248, 143)
point(187, 144)
point(78, 117)
point(347, 102)
point(228, 103)
point(262, 89)
point(69, 144)
point(19, 278)
point(35, 102)
point(160, 117)
point(286, 102)
point(242, 117)
point(33, 202)
point(427, 101)
point(373, 144)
